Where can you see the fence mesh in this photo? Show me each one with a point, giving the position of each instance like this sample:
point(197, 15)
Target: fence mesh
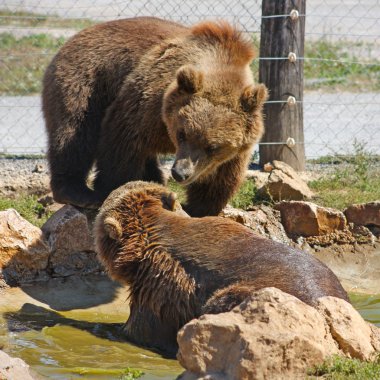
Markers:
point(341, 61)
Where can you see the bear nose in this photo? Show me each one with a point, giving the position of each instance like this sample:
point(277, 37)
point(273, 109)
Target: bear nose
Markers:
point(179, 175)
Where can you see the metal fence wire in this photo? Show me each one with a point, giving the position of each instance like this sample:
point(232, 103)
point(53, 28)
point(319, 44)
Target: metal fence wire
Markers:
point(341, 62)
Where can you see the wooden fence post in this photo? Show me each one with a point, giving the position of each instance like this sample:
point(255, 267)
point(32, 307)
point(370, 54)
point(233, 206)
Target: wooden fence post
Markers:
point(281, 36)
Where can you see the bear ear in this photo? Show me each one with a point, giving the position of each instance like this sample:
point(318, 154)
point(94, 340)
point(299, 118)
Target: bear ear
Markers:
point(253, 97)
point(169, 201)
point(189, 79)
point(113, 228)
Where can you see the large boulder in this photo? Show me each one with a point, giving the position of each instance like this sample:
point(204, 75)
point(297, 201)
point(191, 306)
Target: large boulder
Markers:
point(14, 368)
point(308, 219)
point(285, 184)
point(71, 243)
point(273, 335)
point(364, 214)
point(23, 250)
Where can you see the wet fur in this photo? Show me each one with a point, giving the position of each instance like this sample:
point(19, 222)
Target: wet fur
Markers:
point(179, 267)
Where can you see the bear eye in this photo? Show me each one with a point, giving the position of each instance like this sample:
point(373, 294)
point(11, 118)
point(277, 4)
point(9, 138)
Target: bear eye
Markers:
point(211, 149)
point(181, 137)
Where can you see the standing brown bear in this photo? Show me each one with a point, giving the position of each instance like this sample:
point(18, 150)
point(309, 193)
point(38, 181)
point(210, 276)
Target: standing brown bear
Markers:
point(178, 267)
point(119, 93)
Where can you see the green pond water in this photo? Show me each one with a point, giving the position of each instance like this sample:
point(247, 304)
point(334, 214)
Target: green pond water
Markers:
point(83, 343)
point(71, 342)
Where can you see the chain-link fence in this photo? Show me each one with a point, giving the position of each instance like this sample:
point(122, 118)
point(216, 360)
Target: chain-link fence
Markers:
point(341, 62)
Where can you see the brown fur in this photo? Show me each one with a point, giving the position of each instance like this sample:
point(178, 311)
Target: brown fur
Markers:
point(119, 93)
point(179, 267)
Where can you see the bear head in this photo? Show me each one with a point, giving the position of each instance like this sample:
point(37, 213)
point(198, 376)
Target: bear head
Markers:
point(119, 226)
point(211, 117)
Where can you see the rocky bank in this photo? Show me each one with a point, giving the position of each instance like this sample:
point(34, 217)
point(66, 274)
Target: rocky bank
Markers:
point(271, 335)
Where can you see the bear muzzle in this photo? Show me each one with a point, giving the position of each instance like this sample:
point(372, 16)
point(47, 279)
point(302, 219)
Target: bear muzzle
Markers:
point(182, 169)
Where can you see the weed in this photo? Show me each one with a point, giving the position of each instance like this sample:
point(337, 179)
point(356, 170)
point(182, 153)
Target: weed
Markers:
point(245, 196)
point(178, 189)
point(354, 180)
point(341, 68)
point(23, 62)
point(338, 368)
point(27, 207)
point(21, 18)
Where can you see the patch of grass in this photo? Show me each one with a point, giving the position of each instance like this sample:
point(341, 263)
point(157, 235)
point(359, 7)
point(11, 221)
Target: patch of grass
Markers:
point(178, 189)
point(338, 368)
point(245, 196)
point(9, 156)
point(346, 74)
point(39, 20)
point(356, 180)
point(27, 207)
point(23, 62)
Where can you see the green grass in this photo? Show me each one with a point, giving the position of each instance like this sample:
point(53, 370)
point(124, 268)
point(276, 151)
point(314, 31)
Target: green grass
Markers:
point(356, 179)
point(338, 368)
point(346, 74)
point(40, 20)
point(178, 189)
point(27, 207)
point(23, 62)
point(245, 196)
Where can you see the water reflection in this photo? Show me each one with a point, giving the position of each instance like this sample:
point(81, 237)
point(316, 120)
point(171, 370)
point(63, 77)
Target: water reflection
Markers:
point(78, 344)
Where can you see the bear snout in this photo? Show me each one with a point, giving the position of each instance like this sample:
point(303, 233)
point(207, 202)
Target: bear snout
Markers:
point(182, 170)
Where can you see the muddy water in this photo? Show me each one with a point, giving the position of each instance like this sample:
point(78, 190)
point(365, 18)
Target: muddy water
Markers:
point(69, 330)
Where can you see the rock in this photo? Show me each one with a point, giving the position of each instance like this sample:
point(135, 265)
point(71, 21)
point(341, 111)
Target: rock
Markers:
point(261, 219)
point(364, 214)
point(357, 266)
point(46, 200)
point(23, 251)
point(285, 184)
point(362, 234)
point(14, 368)
point(33, 183)
point(71, 243)
point(355, 337)
point(39, 168)
point(268, 167)
point(308, 219)
point(259, 178)
point(273, 335)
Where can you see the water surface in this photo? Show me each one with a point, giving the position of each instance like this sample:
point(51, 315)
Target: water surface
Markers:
point(83, 343)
